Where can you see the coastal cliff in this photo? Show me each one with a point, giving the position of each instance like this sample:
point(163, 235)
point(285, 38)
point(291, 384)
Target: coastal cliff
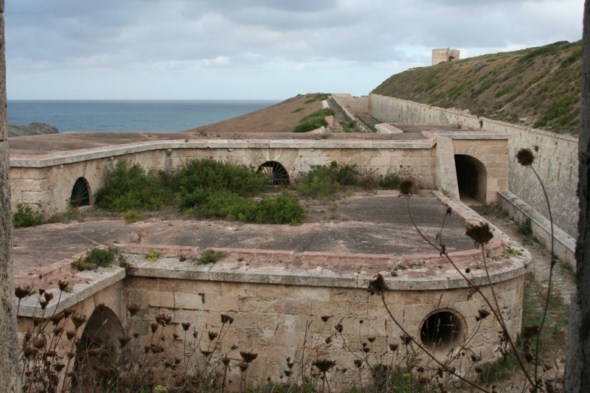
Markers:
point(33, 128)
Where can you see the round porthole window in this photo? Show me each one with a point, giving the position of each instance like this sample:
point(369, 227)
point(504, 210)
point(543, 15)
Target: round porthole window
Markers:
point(441, 329)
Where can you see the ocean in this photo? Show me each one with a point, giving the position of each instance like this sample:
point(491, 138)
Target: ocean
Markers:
point(128, 115)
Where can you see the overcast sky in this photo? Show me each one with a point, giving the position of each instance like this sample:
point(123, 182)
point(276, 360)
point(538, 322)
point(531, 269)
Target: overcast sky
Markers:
point(255, 49)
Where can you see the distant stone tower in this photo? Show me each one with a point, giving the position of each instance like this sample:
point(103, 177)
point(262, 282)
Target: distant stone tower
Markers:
point(445, 55)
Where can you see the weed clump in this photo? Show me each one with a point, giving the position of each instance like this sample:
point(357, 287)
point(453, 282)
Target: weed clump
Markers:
point(313, 121)
point(98, 257)
point(130, 187)
point(210, 256)
point(24, 216)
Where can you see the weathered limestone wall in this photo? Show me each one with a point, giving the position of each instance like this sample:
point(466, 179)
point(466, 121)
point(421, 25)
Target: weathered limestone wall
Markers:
point(556, 155)
point(282, 323)
point(46, 184)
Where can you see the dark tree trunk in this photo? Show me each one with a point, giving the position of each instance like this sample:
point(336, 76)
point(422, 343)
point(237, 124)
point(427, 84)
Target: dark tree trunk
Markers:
point(578, 361)
point(8, 346)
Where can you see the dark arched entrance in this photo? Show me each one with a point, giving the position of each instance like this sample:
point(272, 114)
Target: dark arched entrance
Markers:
point(80, 193)
point(98, 351)
point(471, 177)
point(277, 173)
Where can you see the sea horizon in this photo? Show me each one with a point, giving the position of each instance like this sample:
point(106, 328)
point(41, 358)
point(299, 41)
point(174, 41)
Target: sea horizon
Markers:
point(129, 115)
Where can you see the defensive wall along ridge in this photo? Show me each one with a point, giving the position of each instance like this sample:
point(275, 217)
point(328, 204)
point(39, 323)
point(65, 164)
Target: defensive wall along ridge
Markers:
point(556, 156)
point(556, 161)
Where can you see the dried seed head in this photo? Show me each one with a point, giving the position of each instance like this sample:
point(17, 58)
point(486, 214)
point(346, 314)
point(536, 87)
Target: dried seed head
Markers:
point(525, 157)
point(325, 318)
point(226, 319)
point(133, 308)
point(123, 341)
point(393, 347)
point(212, 336)
point(21, 292)
point(186, 326)
point(163, 319)
point(406, 187)
point(406, 339)
point(248, 356)
point(63, 285)
point(339, 328)
point(78, 319)
point(377, 286)
point(480, 232)
point(324, 365)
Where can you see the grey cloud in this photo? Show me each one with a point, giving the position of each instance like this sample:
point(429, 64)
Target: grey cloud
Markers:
point(114, 33)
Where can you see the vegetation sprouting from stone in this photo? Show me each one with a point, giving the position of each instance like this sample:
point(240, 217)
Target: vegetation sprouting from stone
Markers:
point(212, 189)
point(201, 188)
point(25, 216)
point(210, 256)
point(326, 180)
point(314, 120)
point(98, 257)
point(534, 86)
point(130, 187)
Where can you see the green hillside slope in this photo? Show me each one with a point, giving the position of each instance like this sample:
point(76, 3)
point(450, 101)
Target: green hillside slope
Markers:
point(536, 86)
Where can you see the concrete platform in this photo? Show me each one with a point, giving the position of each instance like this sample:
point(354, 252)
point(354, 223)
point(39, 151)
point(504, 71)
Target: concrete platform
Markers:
point(363, 223)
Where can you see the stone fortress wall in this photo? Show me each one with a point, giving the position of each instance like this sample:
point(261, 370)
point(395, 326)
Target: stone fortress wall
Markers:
point(46, 183)
point(556, 155)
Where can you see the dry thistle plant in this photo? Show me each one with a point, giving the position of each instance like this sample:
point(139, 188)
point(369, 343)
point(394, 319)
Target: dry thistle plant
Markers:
point(527, 357)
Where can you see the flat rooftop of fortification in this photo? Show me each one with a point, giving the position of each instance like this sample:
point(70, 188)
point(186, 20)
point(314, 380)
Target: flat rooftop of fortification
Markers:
point(68, 142)
point(367, 229)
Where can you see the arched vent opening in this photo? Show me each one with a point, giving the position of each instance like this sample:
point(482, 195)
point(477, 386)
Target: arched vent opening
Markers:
point(471, 178)
point(98, 351)
point(80, 193)
point(277, 173)
point(441, 329)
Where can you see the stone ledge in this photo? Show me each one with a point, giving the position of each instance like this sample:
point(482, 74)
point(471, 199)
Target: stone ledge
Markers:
point(95, 281)
point(565, 245)
point(114, 151)
point(295, 270)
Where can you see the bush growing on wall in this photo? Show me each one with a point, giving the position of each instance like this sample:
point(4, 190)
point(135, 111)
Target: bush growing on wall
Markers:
point(130, 187)
point(203, 188)
point(24, 216)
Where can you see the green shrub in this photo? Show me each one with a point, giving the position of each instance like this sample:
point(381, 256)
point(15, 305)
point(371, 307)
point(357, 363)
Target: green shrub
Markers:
point(283, 209)
point(325, 180)
point(153, 255)
point(199, 178)
point(98, 257)
point(131, 216)
point(130, 187)
point(318, 183)
point(210, 256)
point(390, 181)
point(24, 216)
point(315, 120)
point(525, 227)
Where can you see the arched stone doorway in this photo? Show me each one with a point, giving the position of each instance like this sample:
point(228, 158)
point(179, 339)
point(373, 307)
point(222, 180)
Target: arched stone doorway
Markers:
point(277, 173)
point(471, 178)
point(98, 351)
point(80, 193)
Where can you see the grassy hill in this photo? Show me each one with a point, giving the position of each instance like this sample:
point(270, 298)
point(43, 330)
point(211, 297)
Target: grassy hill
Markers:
point(536, 86)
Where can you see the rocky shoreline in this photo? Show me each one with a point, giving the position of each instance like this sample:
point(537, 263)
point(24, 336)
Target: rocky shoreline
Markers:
point(34, 128)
